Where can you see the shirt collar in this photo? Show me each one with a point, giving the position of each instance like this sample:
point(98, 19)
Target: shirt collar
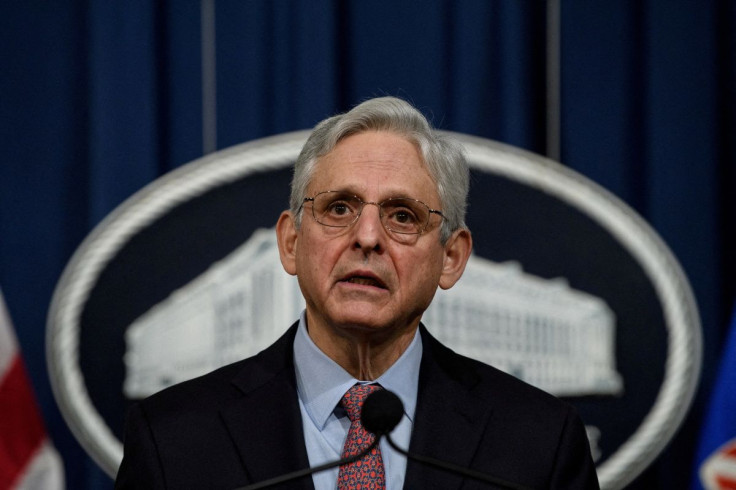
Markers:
point(321, 382)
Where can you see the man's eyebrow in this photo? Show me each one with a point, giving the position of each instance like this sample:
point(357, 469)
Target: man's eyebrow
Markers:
point(353, 192)
point(342, 192)
point(387, 194)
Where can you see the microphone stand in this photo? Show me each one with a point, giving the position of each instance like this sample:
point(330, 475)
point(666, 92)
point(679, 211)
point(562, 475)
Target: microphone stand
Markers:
point(381, 412)
point(458, 470)
point(308, 471)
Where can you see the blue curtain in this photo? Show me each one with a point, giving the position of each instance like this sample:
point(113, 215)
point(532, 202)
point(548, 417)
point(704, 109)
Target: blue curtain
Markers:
point(99, 98)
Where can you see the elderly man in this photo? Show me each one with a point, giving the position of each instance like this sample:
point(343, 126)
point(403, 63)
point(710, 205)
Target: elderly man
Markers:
point(376, 224)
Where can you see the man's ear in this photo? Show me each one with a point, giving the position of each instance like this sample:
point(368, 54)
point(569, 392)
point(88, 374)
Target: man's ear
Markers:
point(457, 252)
point(286, 236)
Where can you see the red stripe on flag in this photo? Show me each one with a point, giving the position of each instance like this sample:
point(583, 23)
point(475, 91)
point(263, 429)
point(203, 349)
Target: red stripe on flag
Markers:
point(725, 483)
point(731, 450)
point(21, 426)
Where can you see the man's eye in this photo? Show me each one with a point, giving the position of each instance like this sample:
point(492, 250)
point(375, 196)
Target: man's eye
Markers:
point(339, 208)
point(403, 216)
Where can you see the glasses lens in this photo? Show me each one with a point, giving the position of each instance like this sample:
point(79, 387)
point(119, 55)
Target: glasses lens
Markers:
point(398, 215)
point(405, 215)
point(335, 208)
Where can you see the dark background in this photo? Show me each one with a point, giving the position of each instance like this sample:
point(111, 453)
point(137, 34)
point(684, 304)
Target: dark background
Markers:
point(99, 98)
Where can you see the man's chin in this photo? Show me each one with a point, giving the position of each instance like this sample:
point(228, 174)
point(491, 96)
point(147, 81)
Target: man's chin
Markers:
point(360, 323)
point(364, 318)
point(372, 325)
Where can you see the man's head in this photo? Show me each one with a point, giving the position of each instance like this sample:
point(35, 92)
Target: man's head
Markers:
point(367, 266)
point(442, 156)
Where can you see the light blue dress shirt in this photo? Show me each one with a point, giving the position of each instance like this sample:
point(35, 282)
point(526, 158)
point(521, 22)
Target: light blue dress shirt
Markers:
point(321, 383)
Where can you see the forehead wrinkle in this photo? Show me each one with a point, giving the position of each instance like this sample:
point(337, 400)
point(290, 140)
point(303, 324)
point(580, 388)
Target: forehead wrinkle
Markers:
point(377, 191)
point(374, 159)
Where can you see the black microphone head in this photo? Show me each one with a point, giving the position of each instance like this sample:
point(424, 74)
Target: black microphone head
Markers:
point(381, 412)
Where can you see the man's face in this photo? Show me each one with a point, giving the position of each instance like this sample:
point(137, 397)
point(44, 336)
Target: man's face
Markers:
point(360, 279)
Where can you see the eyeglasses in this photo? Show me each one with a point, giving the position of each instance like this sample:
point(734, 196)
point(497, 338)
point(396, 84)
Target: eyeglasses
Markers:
point(398, 214)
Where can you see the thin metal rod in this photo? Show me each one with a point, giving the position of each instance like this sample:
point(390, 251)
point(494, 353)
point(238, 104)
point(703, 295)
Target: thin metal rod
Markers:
point(209, 77)
point(308, 471)
point(458, 470)
point(553, 119)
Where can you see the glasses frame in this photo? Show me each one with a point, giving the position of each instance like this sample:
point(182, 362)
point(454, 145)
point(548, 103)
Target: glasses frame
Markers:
point(380, 211)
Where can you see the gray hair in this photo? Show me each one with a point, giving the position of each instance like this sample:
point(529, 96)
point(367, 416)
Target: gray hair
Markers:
point(443, 156)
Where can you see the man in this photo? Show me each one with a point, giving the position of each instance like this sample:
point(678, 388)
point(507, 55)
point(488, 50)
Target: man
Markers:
point(375, 225)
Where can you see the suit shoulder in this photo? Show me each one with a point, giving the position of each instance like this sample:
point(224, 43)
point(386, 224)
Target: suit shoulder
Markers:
point(488, 382)
point(203, 392)
point(218, 387)
point(493, 381)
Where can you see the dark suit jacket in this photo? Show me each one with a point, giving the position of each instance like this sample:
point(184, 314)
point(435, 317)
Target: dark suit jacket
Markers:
point(241, 424)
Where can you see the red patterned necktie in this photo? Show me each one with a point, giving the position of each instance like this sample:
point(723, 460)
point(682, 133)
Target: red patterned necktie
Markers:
point(367, 473)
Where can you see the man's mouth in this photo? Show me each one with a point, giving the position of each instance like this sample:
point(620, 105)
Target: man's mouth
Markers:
point(365, 281)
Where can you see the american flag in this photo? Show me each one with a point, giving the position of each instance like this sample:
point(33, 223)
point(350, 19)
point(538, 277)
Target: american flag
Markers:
point(716, 454)
point(28, 461)
point(719, 470)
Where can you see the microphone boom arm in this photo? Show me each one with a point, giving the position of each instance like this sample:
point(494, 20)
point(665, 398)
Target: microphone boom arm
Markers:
point(308, 471)
point(458, 470)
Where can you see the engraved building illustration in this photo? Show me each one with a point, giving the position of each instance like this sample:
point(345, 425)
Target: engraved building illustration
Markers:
point(541, 331)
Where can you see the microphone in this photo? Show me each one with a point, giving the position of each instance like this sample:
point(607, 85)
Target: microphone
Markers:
point(382, 411)
point(382, 417)
point(308, 471)
point(380, 414)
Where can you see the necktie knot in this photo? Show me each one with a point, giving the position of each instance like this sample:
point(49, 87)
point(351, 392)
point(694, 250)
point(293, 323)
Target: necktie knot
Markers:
point(353, 399)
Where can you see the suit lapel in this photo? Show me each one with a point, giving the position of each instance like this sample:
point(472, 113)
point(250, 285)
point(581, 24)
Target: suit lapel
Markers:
point(449, 420)
point(265, 423)
point(266, 427)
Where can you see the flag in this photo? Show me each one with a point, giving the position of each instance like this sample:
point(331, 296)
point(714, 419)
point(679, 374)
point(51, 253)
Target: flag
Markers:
point(716, 455)
point(28, 461)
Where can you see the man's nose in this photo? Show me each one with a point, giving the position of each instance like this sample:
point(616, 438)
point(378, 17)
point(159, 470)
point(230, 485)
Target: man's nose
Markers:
point(368, 230)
